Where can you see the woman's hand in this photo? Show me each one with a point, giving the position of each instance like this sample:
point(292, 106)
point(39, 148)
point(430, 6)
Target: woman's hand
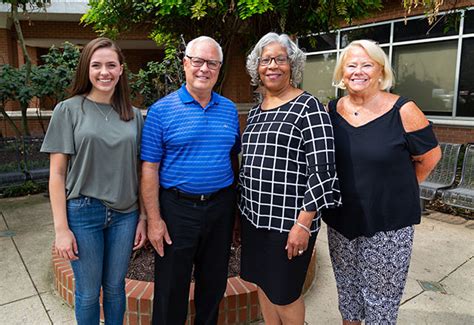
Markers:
point(298, 239)
point(66, 245)
point(140, 235)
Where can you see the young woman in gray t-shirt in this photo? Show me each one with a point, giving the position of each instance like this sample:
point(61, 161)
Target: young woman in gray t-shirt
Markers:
point(93, 140)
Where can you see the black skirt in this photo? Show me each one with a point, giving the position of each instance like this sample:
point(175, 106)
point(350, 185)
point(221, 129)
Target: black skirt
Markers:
point(265, 262)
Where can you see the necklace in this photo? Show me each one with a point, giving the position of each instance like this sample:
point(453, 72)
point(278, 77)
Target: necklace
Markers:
point(356, 112)
point(106, 116)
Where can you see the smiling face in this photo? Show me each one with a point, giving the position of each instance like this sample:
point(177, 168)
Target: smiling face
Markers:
point(201, 80)
point(274, 76)
point(104, 72)
point(360, 72)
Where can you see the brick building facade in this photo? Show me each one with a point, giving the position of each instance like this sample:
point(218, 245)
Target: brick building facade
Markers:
point(55, 26)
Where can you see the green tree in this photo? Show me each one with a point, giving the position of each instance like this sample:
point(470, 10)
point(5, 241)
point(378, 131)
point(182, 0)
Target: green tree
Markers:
point(26, 6)
point(225, 20)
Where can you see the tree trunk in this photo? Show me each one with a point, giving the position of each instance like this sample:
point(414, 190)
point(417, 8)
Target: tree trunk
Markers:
point(10, 121)
point(16, 22)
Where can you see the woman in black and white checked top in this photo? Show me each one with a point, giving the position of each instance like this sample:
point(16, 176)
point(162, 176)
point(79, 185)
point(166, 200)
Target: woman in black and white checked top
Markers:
point(287, 176)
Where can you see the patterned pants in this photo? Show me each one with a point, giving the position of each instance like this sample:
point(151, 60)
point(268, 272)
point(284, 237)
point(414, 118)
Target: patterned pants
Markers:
point(371, 273)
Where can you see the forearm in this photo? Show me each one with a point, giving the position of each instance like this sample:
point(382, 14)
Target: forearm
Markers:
point(426, 163)
point(149, 191)
point(306, 217)
point(57, 195)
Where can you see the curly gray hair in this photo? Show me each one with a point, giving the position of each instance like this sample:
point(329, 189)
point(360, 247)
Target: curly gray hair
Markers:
point(296, 57)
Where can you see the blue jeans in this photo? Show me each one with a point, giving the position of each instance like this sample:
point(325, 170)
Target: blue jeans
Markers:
point(105, 240)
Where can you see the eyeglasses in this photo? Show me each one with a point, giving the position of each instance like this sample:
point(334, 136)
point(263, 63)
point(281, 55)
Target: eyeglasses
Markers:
point(279, 60)
point(198, 62)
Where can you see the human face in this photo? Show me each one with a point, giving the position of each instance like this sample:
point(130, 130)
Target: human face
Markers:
point(201, 80)
point(274, 76)
point(104, 72)
point(361, 74)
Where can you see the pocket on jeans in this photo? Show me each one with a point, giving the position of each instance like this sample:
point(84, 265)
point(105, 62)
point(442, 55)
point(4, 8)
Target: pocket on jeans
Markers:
point(76, 204)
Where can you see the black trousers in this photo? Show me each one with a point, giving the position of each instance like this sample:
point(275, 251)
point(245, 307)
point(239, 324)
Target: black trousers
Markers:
point(201, 233)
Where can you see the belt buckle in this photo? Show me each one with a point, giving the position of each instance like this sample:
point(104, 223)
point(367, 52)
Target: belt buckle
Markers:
point(203, 197)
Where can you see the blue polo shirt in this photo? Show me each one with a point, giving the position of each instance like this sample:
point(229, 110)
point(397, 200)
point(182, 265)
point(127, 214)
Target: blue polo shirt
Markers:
point(192, 144)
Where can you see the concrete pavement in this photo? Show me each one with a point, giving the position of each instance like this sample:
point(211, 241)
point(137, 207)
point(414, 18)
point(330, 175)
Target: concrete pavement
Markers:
point(443, 253)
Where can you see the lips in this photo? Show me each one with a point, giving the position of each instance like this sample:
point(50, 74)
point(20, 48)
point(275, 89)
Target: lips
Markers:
point(273, 76)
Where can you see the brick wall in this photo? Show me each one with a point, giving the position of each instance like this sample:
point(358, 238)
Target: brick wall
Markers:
point(62, 29)
point(237, 82)
point(393, 10)
point(454, 134)
point(6, 55)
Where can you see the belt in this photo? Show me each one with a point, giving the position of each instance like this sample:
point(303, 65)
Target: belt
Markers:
point(193, 197)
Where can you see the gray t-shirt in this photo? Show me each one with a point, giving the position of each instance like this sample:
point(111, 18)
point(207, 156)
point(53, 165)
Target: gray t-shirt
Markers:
point(103, 153)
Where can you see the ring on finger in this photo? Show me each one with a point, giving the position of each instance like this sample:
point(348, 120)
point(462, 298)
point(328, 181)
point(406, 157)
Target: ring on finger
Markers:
point(300, 252)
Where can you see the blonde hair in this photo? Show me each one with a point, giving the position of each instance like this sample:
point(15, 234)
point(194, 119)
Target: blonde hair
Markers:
point(376, 53)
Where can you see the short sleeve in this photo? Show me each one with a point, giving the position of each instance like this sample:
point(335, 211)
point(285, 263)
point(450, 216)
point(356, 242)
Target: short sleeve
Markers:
point(59, 137)
point(152, 136)
point(322, 188)
point(421, 141)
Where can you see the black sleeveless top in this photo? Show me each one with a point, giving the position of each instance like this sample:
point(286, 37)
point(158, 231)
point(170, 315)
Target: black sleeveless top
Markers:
point(377, 178)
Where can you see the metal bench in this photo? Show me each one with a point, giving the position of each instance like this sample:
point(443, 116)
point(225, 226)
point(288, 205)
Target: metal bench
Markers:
point(11, 165)
point(462, 196)
point(444, 173)
point(36, 162)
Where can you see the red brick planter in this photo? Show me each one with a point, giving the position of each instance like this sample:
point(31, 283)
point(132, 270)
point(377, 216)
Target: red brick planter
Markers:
point(240, 303)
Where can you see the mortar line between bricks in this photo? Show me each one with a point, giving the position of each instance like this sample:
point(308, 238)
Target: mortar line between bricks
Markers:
point(28, 272)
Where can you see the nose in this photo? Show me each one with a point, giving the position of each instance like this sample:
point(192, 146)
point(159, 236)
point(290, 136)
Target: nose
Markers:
point(104, 70)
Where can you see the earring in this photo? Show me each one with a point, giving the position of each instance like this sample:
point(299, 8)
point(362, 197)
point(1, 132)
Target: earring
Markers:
point(380, 80)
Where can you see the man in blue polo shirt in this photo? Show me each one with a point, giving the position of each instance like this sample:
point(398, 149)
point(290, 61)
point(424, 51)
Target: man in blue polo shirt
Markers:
point(189, 148)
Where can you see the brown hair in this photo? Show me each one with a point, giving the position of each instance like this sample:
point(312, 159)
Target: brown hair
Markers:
point(82, 85)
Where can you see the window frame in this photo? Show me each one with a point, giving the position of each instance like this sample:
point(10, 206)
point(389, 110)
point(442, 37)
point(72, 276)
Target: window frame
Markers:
point(453, 119)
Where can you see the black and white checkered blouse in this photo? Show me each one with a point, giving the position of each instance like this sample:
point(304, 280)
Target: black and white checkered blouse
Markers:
point(288, 164)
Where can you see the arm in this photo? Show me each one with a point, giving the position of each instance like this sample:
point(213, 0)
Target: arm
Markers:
point(157, 230)
point(318, 142)
point(413, 119)
point(65, 242)
point(140, 233)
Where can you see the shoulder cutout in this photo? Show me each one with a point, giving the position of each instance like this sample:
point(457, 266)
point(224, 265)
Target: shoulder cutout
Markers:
point(412, 117)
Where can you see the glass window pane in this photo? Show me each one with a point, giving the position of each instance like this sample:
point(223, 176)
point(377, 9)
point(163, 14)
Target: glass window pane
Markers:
point(317, 78)
point(469, 22)
point(318, 43)
point(425, 73)
point(466, 80)
point(420, 29)
point(380, 34)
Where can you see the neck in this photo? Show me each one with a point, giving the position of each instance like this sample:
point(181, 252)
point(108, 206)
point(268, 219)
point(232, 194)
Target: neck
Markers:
point(202, 97)
point(363, 98)
point(281, 93)
point(100, 97)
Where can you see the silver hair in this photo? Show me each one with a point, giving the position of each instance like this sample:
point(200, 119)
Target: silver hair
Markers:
point(200, 39)
point(296, 57)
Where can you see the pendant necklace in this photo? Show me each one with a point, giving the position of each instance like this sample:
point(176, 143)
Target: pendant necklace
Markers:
point(106, 116)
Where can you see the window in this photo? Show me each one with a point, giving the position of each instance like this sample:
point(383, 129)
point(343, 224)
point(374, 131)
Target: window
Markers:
point(318, 43)
point(433, 65)
point(379, 34)
point(420, 29)
point(466, 80)
point(469, 22)
point(319, 81)
point(425, 73)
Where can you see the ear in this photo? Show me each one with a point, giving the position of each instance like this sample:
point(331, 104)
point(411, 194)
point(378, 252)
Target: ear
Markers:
point(121, 69)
